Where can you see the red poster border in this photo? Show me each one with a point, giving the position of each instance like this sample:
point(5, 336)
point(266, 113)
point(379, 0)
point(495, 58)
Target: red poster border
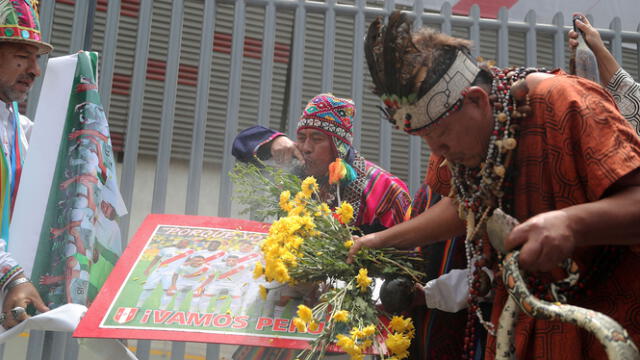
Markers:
point(90, 325)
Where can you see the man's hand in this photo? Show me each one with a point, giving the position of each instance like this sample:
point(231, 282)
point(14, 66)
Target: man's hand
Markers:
point(591, 35)
point(21, 296)
point(373, 240)
point(283, 150)
point(546, 239)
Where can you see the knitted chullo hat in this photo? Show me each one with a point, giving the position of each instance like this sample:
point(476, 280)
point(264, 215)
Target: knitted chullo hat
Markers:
point(333, 116)
point(20, 23)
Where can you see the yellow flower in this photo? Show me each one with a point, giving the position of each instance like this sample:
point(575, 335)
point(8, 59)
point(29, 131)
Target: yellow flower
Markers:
point(400, 324)
point(367, 344)
point(348, 244)
point(349, 346)
point(300, 324)
point(398, 345)
point(344, 212)
point(342, 316)
point(305, 313)
point(258, 270)
point(309, 185)
point(263, 292)
point(297, 210)
point(369, 330)
point(363, 280)
point(356, 333)
point(285, 204)
point(322, 210)
point(307, 223)
point(313, 326)
point(344, 342)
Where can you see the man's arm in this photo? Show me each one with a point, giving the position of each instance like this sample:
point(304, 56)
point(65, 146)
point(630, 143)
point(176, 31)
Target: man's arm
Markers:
point(551, 237)
point(607, 64)
point(438, 223)
point(264, 143)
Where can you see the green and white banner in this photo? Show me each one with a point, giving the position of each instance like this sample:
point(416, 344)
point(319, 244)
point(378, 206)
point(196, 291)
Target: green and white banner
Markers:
point(64, 222)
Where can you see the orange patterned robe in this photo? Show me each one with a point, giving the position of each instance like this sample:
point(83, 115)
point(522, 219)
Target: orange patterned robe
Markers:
point(570, 151)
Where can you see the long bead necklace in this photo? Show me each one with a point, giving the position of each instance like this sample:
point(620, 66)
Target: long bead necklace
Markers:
point(480, 191)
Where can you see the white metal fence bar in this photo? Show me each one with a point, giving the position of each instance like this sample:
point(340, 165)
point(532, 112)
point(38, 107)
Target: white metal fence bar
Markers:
point(474, 30)
point(296, 68)
point(445, 26)
point(266, 73)
point(616, 41)
point(329, 47)
point(202, 109)
point(531, 46)
point(558, 40)
point(503, 37)
point(231, 127)
point(415, 143)
point(357, 71)
point(143, 349)
point(46, 25)
point(158, 203)
point(35, 345)
point(134, 121)
point(80, 14)
point(385, 127)
point(168, 109)
point(178, 349)
point(107, 62)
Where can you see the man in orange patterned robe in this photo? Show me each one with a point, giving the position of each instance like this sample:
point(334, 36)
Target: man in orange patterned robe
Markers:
point(573, 180)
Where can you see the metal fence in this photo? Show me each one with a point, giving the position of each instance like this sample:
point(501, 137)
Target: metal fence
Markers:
point(60, 346)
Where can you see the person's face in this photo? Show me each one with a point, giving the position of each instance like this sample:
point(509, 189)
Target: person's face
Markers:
point(183, 244)
point(232, 261)
point(18, 70)
point(318, 152)
point(463, 137)
point(214, 245)
point(246, 247)
point(107, 210)
point(197, 261)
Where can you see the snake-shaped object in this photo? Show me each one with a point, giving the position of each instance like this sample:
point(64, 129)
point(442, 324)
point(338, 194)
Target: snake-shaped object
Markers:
point(617, 342)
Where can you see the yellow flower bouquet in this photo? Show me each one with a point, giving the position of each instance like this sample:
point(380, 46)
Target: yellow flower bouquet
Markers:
point(308, 243)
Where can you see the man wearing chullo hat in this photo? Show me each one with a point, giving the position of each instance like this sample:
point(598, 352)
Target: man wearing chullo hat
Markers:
point(20, 47)
point(551, 150)
point(324, 134)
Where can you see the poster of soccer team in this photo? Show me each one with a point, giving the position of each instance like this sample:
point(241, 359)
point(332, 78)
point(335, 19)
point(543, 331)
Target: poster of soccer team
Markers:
point(190, 278)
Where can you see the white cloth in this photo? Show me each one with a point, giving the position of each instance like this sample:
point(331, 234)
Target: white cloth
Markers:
point(448, 292)
point(6, 139)
point(66, 319)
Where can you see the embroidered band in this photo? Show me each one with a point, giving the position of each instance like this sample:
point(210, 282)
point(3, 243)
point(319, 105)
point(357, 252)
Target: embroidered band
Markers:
point(438, 100)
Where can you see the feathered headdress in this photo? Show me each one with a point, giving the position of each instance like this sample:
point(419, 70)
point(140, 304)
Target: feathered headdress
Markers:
point(418, 84)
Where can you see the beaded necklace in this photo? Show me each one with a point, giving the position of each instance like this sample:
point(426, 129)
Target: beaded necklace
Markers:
point(479, 191)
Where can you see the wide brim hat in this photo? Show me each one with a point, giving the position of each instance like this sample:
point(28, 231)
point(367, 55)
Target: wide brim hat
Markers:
point(20, 23)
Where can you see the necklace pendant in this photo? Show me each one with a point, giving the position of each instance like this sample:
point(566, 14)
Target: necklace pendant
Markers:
point(510, 143)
